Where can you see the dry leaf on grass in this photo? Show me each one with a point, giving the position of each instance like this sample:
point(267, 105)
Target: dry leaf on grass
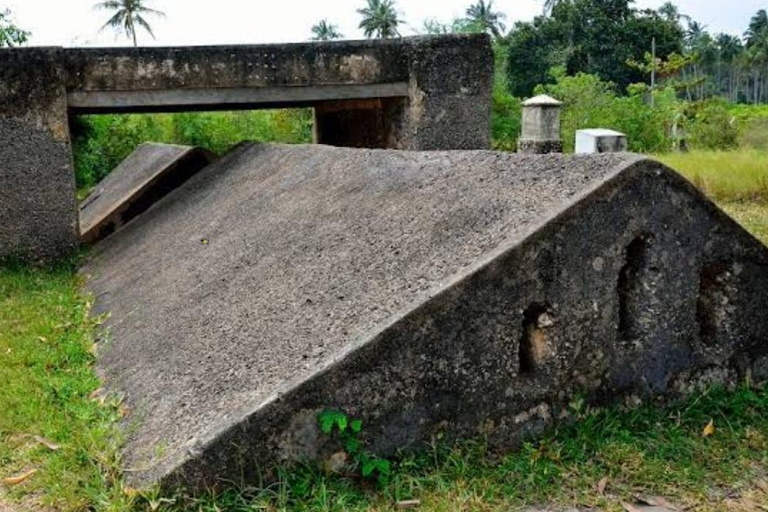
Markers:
point(408, 504)
point(48, 444)
point(656, 501)
point(709, 430)
point(130, 491)
point(16, 480)
point(601, 485)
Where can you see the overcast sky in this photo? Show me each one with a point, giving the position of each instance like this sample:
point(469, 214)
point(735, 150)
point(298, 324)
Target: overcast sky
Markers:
point(190, 22)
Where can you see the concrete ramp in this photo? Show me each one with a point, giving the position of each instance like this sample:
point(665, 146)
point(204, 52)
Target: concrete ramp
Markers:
point(465, 293)
point(142, 179)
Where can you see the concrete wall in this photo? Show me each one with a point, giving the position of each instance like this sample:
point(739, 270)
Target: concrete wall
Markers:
point(38, 210)
point(412, 93)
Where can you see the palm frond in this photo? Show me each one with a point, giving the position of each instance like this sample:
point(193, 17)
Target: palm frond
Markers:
point(143, 23)
point(115, 21)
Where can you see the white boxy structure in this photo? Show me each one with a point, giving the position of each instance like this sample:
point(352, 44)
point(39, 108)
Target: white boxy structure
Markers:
point(600, 140)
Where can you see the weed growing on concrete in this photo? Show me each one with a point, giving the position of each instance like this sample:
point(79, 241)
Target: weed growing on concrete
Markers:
point(348, 432)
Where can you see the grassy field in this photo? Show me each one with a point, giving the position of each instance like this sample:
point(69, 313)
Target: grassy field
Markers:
point(726, 177)
point(59, 440)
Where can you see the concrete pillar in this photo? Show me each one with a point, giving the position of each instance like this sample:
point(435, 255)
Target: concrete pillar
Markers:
point(448, 105)
point(38, 207)
point(541, 126)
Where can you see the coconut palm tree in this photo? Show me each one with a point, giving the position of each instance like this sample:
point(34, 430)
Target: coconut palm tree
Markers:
point(670, 12)
point(482, 15)
point(380, 19)
point(757, 33)
point(325, 31)
point(127, 15)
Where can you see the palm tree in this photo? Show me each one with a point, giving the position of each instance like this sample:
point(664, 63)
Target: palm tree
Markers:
point(379, 19)
point(670, 12)
point(127, 15)
point(730, 49)
point(757, 34)
point(325, 31)
point(483, 15)
point(694, 33)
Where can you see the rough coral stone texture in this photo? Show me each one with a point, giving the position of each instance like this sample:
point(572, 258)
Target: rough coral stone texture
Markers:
point(463, 293)
point(38, 209)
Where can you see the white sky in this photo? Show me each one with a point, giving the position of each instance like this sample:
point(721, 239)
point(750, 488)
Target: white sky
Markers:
point(195, 22)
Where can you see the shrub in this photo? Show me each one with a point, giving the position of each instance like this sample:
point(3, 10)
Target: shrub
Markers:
point(710, 125)
point(593, 103)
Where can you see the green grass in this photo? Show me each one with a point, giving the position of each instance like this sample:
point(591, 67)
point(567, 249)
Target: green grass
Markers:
point(643, 450)
point(46, 379)
point(47, 383)
point(725, 176)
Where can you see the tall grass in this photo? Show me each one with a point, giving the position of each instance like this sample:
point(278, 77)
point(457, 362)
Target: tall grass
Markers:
point(735, 176)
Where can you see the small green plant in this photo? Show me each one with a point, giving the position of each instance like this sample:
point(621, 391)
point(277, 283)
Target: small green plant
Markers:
point(348, 431)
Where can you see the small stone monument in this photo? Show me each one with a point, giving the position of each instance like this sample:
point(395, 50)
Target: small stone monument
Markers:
point(541, 126)
point(600, 141)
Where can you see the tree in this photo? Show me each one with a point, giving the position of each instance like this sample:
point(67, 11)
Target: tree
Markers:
point(10, 34)
point(127, 15)
point(380, 19)
point(325, 31)
point(483, 15)
point(757, 53)
point(589, 36)
point(551, 5)
point(670, 12)
point(758, 29)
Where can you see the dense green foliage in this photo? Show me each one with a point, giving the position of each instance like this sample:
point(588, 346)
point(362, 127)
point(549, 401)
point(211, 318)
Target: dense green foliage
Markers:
point(588, 36)
point(651, 128)
point(102, 142)
point(604, 37)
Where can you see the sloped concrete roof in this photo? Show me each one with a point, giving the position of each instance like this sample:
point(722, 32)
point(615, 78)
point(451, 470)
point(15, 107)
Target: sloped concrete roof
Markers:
point(149, 172)
point(276, 263)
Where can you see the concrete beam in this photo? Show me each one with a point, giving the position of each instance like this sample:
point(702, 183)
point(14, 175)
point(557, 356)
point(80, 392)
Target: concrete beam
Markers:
point(431, 92)
point(230, 98)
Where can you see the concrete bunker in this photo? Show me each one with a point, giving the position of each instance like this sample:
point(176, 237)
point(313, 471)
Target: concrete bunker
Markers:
point(423, 93)
point(405, 290)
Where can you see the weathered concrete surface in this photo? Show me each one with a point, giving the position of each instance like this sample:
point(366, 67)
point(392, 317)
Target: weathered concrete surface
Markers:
point(147, 175)
point(38, 210)
point(422, 93)
point(458, 292)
